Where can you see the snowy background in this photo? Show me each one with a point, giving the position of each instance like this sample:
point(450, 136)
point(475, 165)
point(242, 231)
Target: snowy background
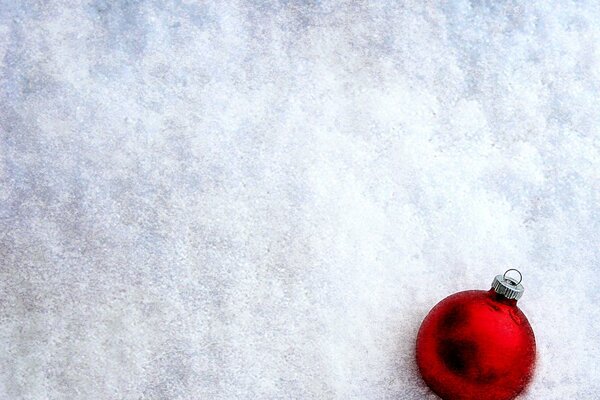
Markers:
point(262, 200)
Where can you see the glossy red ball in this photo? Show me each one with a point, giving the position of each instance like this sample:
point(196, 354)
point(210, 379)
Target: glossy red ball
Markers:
point(476, 345)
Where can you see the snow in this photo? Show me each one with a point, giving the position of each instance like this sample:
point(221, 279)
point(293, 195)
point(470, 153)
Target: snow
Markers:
point(262, 200)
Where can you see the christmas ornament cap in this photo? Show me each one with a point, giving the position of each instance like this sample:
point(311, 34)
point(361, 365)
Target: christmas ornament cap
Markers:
point(510, 288)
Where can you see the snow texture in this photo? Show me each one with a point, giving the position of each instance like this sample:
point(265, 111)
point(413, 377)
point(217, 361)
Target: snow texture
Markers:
point(262, 200)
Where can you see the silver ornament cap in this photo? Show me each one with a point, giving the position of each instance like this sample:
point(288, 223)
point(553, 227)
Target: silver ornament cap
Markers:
point(508, 287)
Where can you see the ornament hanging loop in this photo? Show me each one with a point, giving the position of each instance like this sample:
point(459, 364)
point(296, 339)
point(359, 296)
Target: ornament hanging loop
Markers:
point(507, 286)
point(511, 279)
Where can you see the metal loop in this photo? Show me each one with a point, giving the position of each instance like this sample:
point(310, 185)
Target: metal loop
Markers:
point(511, 279)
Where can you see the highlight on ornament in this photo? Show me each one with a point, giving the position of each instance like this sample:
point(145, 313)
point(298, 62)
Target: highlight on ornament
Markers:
point(478, 344)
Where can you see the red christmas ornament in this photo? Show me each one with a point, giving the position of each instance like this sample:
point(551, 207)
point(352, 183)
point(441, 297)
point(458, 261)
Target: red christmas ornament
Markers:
point(477, 344)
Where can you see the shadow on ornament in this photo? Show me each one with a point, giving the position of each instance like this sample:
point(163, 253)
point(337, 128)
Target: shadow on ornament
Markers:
point(477, 344)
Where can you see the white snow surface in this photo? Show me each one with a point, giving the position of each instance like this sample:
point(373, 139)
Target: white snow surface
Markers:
point(262, 200)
